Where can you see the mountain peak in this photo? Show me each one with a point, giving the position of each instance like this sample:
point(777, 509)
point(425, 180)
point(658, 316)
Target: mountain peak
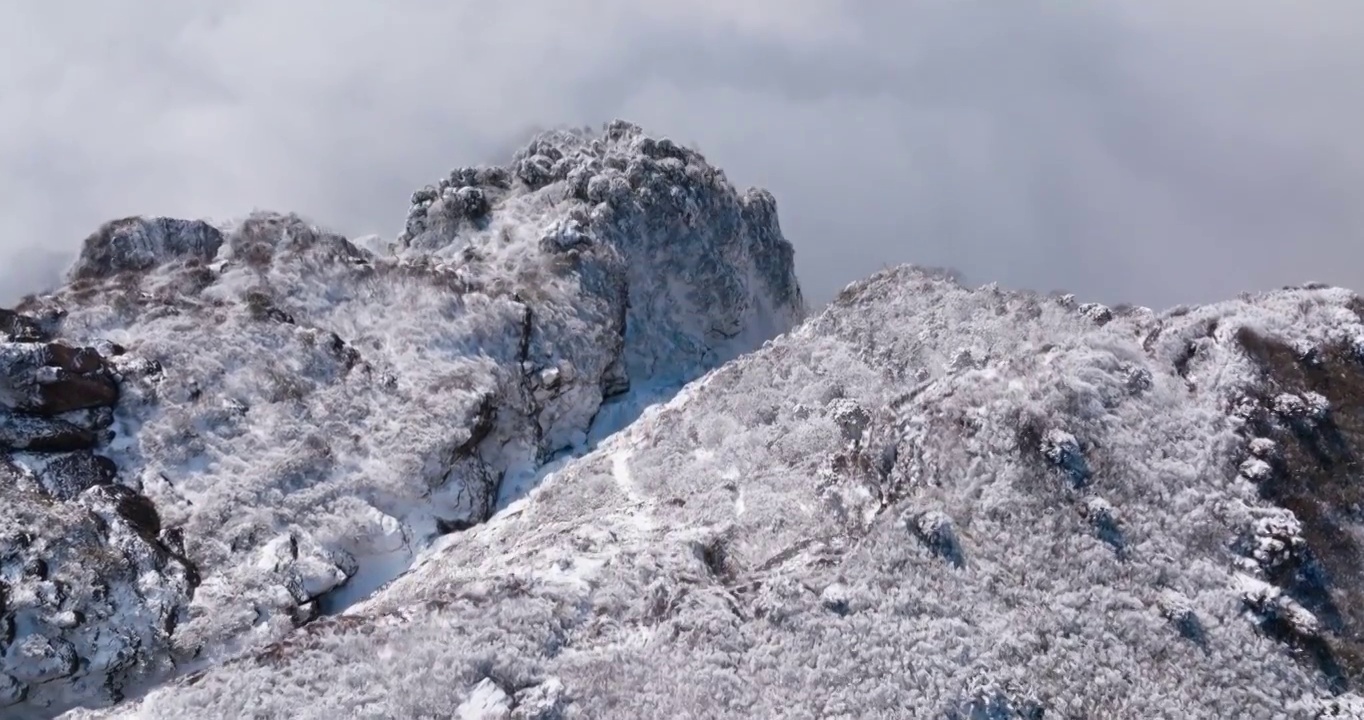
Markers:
point(273, 421)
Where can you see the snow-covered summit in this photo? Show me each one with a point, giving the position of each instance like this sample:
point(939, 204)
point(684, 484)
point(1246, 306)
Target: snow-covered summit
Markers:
point(641, 209)
point(927, 501)
point(211, 435)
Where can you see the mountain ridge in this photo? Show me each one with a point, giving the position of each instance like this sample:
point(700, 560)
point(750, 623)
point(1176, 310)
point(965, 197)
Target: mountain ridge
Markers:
point(925, 500)
point(281, 411)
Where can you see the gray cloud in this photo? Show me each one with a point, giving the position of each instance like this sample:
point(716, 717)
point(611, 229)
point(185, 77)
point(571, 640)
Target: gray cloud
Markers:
point(1155, 152)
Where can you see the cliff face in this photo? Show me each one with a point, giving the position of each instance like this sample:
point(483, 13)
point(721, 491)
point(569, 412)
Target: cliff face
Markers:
point(927, 501)
point(211, 435)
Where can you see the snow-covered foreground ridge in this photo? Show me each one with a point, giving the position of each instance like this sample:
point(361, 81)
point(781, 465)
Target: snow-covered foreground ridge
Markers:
point(927, 501)
point(208, 431)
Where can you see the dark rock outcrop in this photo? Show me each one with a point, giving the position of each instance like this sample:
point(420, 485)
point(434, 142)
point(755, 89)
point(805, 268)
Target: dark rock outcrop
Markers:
point(19, 431)
point(138, 244)
point(18, 328)
point(53, 378)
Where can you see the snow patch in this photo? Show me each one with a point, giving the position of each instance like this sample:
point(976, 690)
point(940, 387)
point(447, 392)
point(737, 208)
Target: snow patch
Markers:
point(487, 701)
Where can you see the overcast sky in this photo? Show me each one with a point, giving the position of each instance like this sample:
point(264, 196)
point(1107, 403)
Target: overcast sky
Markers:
point(1152, 151)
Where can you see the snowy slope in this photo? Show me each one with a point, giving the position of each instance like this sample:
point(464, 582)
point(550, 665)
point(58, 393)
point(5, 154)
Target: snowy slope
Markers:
point(212, 435)
point(928, 501)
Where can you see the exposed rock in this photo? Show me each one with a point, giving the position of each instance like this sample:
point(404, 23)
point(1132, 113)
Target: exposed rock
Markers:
point(1305, 428)
point(53, 378)
point(65, 476)
point(135, 510)
point(140, 244)
point(15, 327)
point(935, 529)
point(312, 569)
point(42, 434)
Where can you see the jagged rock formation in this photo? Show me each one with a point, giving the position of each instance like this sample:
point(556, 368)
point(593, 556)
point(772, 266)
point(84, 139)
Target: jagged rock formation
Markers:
point(928, 501)
point(90, 585)
point(210, 435)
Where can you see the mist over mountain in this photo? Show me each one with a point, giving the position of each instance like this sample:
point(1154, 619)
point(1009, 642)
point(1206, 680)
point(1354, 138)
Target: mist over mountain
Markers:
point(570, 447)
point(1041, 145)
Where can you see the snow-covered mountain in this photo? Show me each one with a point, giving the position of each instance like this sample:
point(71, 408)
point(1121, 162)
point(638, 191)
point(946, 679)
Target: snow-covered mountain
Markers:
point(213, 435)
point(461, 480)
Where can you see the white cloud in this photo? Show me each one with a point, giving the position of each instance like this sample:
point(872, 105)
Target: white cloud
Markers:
point(1152, 151)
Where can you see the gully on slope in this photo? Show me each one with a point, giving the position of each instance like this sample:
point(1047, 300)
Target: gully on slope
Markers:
point(421, 539)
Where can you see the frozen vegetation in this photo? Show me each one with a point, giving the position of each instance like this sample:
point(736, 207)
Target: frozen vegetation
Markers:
point(569, 451)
